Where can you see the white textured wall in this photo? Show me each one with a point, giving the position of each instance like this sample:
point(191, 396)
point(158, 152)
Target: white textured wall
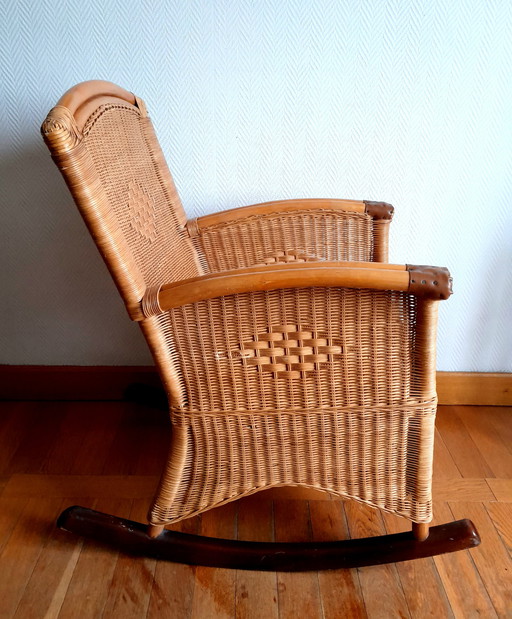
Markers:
point(404, 101)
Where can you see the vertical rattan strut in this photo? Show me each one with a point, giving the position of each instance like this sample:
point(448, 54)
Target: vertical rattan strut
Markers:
point(291, 352)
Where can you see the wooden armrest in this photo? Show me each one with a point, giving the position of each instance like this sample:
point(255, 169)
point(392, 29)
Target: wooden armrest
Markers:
point(425, 281)
point(377, 210)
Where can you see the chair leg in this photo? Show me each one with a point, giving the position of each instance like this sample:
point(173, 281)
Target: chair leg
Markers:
point(420, 530)
point(154, 530)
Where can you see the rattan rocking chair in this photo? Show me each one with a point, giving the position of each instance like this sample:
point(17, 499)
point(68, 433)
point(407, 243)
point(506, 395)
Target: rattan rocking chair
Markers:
point(290, 351)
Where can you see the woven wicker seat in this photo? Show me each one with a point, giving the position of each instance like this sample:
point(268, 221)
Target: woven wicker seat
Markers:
point(291, 352)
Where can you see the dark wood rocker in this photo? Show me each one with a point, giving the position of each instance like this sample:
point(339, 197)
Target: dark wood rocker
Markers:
point(132, 537)
point(290, 351)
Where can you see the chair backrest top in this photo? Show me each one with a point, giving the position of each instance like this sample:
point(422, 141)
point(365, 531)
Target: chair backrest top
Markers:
point(82, 99)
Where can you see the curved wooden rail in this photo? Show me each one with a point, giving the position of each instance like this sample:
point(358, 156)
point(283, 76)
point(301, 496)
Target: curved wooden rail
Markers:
point(376, 210)
point(424, 281)
point(273, 277)
point(131, 537)
point(81, 100)
point(283, 206)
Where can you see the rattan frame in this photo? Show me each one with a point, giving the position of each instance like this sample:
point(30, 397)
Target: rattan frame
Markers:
point(232, 406)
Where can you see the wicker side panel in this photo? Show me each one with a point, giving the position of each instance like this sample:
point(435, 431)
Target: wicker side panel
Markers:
point(296, 349)
point(140, 192)
point(380, 456)
point(293, 236)
point(327, 388)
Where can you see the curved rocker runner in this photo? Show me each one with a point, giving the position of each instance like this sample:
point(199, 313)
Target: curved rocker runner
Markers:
point(290, 350)
point(132, 537)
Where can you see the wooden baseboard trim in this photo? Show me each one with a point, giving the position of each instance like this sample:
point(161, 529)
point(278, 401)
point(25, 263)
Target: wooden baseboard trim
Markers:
point(475, 388)
point(39, 382)
point(71, 382)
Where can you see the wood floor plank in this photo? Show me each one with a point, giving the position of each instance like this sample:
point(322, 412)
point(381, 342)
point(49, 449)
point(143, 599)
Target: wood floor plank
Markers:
point(214, 591)
point(83, 438)
point(340, 590)
point(501, 488)
point(5, 407)
point(444, 464)
point(89, 586)
point(15, 422)
point(49, 581)
point(22, 550)
point(99, 425)
point(501, 515)
point(422, 586)
point(38, 439)
point(96, 486)
point(491, 444)
point(155, 426)
point(463, 449)
point(63, 452)
point(173, 586)
point(501, 418)
point(11, 509)
point(463, 585)
point(380, 584)
point(256, 592)
point(491, 557)
point(299, 592)
point(132, 580)
point(124, 454)
point(462, 489)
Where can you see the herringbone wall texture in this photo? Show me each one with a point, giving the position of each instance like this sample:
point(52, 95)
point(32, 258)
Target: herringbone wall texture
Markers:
point(408, 101)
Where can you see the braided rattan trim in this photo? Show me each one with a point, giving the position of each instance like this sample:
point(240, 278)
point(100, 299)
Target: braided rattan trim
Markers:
point(107, 107)
point(150, 304)
point(192, 227)
point(60, 130)
point(183, 416)
point(317, 212)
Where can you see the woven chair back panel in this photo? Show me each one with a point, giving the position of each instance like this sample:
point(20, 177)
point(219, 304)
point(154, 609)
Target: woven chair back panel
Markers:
point(141, 193)
point(296, 236)
point(298, 349)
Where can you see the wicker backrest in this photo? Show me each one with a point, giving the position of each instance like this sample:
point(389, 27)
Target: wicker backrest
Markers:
point(107, 151)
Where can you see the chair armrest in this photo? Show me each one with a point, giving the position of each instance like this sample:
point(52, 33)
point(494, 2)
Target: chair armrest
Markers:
point(424, 281)
point(376, 210)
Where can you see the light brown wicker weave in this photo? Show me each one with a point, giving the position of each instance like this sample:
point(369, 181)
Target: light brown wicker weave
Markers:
point(290, 352)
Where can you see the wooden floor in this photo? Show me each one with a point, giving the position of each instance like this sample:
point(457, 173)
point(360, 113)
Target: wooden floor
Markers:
point(108, 456)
